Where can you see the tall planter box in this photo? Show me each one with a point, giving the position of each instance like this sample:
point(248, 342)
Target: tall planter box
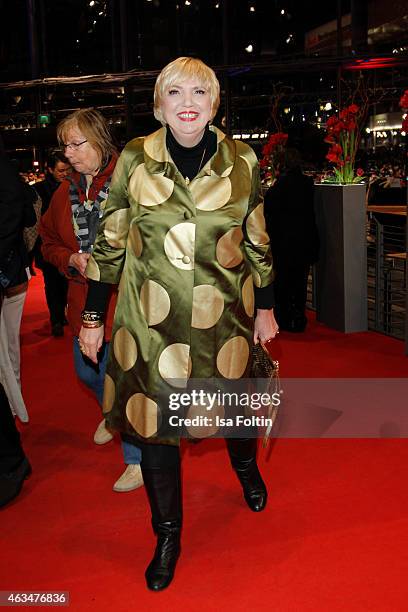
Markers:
point(341, 272)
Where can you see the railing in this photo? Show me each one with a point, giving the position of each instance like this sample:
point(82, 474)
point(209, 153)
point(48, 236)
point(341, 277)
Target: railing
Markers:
point(386, 267)
point(386, 271)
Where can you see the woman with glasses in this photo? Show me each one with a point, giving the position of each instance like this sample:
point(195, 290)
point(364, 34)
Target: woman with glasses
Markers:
point(68, 230)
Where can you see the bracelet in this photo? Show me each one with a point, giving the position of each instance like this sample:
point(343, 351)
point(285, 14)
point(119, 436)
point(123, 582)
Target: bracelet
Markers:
point(91, 316)
point(93, 325)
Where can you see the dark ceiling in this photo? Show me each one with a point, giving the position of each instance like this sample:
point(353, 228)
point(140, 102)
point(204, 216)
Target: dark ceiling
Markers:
point(125, 55)
point(84, 36)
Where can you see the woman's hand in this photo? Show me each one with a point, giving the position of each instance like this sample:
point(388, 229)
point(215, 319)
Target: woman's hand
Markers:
point(79, 262)
point(90, 341)
point(265, 327)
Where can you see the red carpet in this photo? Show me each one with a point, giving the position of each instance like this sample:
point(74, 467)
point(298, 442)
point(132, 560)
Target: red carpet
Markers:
point(333, 537)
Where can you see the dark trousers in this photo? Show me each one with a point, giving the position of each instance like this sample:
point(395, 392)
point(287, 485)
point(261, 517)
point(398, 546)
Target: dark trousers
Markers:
point(155, 456)
point(290, 287)
point(56, 288)
point(165, 456)
point(11, 452)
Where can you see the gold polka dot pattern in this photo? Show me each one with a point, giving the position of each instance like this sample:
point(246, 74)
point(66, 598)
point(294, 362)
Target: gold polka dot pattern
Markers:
point(208, 306)
point(150, 189)
point(108, 394)
point(179, 245)
point(125, 349)
point(256, 228)
point(188, 258)
point(154, 148)
point(92, 270)
point(228, 252)
point(248, 296)
point(211, 192)
point(174, 364)
point(232, 358)
point(227, 171)
point(116, 228)
point(154, 302)
point(256, 277)
point(135, 240)
point(142, 413)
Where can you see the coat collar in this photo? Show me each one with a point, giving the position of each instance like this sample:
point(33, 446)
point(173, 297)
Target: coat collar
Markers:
point(158, 161)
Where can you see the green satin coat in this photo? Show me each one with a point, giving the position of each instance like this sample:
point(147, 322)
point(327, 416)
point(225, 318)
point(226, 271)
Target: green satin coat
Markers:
point(185, 258)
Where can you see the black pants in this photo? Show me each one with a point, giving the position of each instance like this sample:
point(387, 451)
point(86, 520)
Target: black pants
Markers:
point(11, 451)
point(156, 455)
point(56, 287)
point(291, 292)
point(165, 456)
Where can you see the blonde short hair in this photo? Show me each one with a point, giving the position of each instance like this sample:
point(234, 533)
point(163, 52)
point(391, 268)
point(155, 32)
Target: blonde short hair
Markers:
point(94, 127)
point(179, 70)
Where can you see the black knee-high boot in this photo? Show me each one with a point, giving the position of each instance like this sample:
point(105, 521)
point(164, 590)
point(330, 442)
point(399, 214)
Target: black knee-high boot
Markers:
point(242, 453)
point(163, 487)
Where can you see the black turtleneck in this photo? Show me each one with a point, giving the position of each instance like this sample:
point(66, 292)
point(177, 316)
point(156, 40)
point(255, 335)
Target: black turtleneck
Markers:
point(189, 161)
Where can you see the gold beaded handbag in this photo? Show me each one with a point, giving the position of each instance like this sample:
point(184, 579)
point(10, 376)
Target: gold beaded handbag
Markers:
point(263, 366)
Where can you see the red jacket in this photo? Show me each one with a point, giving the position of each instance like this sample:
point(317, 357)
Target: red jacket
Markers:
point(59, 243)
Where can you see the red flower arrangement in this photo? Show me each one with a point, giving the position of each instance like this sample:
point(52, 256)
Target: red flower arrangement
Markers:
point(404, 104)
point(271, 152)
point(343, 137)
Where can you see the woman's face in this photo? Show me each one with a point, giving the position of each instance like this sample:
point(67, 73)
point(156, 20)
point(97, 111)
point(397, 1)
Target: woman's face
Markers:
point(186, 108)
point(84, 158)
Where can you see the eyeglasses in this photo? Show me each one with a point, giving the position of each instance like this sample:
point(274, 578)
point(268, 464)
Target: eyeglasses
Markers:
point(74, 146)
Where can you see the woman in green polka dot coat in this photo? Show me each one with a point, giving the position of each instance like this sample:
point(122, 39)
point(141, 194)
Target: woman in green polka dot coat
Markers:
point(183, 234)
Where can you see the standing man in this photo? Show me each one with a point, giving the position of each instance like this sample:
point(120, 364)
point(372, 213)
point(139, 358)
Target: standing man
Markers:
point(55, 284)
point(16, 212)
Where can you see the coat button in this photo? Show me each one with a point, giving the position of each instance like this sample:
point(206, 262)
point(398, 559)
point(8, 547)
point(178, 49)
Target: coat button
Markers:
point(186, 259)
point(188, 214)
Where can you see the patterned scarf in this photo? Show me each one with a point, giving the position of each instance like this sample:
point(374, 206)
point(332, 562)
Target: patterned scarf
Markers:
point(87, 214)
